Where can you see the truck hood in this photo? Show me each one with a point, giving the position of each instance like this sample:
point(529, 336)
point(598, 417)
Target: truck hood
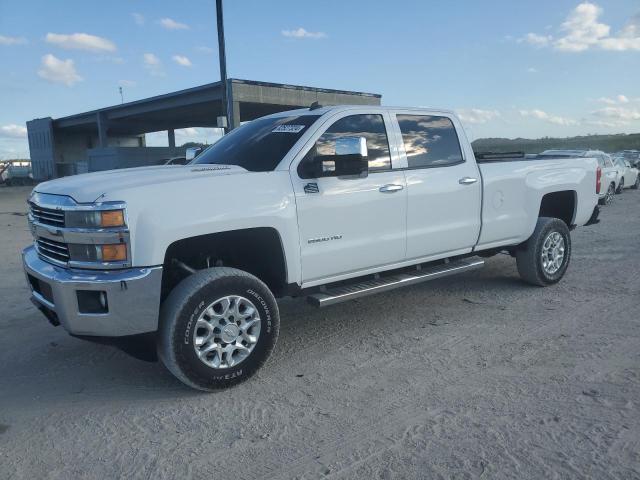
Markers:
point(91, 187)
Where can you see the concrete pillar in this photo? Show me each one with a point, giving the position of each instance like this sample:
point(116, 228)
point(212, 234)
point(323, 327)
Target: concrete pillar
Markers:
point(171, 133)
point(234, 115)
point(102, 130)
point(233, 107)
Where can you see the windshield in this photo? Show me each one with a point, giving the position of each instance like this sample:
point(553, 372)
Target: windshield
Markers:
point(257, 146)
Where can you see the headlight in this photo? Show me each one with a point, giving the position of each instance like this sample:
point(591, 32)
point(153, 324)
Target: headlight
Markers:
point(116, 252)
point(95, 218)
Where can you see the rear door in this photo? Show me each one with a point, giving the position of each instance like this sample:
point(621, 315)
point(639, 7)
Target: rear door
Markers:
point(350, 225)
point(443, 183)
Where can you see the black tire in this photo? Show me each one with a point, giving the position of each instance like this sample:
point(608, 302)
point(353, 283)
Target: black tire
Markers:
point(184, 305)
point(636, 185)
point(620, 186)
point(529, 254)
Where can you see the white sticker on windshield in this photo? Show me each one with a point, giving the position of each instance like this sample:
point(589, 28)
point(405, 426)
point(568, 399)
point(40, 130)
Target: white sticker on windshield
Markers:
point(288, 129)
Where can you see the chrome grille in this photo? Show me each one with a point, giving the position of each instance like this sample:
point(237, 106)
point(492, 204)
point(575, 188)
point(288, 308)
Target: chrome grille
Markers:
point(52, 249)
point(48, 216)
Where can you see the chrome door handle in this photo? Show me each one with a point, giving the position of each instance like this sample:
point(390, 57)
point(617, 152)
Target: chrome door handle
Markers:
point(467, 181)
point(392, 187)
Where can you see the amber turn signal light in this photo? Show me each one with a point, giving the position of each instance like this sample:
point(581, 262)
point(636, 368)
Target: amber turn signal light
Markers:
point(112, 218)
point(114, 253)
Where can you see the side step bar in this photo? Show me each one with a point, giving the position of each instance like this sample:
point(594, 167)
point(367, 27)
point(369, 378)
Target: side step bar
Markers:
point(349, 292)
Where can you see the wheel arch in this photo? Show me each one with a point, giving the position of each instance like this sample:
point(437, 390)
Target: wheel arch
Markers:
point(258, 251)
point(562, 205)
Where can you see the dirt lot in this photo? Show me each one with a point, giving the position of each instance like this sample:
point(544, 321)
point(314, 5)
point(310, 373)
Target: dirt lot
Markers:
point(476, 376)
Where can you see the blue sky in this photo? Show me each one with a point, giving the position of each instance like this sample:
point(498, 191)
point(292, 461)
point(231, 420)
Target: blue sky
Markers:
point(510, 68)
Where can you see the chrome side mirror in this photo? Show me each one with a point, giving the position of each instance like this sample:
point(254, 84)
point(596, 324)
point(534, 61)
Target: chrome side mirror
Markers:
point(350, 160)
point(352, 146)
point(192, 152)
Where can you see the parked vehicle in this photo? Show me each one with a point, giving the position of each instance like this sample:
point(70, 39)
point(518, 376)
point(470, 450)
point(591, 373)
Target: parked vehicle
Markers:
point(633, 157)
point(610, 173)
point(15, 172)
point(629, 177)
point(331, 203)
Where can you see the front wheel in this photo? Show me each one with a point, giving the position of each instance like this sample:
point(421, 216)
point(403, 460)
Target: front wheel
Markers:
point(636, 185)
point(217, 328)
point(543, 259)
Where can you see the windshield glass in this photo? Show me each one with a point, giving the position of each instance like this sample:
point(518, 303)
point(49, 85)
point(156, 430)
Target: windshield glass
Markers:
point(257, 146)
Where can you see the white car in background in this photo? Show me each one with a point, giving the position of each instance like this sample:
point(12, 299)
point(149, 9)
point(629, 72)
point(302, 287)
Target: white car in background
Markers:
point(629, 177)
point(610, 177)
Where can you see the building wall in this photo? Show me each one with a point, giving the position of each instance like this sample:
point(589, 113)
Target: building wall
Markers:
point(72, 149)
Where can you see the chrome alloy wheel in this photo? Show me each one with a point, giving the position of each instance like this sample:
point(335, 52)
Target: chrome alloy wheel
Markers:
point(226, 332)
point(611, 191)
point(553, 250)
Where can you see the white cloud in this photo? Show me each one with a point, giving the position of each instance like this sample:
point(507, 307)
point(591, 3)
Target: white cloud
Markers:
point(127, 83)
point(171, 24)
point(12, 40)
point(607, 123)
point(582, 31)
point(627, 39)
point(204, 49)
point(546, 117)
point(153, 64)
point(55, 70)
point(13, 131)
point(302, 33)
point(189, 132)
point(532, 70)
point(536, 40)
point(184, 135)
point(182, 60)
point(81, 41)
point(151, 60)
point(618, 113)
point(477, 116)
point(138, 18)
point(619, 99)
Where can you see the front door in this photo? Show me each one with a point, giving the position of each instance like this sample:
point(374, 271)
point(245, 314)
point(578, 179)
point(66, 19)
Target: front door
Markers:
point(348, 225)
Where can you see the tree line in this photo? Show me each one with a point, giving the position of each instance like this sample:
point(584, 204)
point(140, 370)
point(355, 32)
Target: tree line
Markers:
point(606, 143)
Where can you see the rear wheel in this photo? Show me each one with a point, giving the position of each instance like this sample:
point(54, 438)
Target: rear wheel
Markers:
point(620, 186)
point(608, 197)
point(217, 328)
point(543, 259)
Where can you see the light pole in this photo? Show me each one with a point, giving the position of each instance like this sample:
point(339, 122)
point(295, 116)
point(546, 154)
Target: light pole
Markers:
point(223, 64)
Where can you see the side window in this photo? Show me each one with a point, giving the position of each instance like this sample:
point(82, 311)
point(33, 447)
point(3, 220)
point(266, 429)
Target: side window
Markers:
point(429, 141)
point(609, 163)
point(601, 161)
point(369, 126)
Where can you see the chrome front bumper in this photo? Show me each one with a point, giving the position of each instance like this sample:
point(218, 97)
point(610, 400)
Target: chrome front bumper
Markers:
point(132, 297)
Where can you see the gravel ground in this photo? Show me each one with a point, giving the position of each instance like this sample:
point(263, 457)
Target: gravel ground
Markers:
point(475, 376)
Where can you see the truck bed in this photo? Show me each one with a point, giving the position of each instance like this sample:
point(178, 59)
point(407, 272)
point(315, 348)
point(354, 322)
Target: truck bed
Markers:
point(514, 187)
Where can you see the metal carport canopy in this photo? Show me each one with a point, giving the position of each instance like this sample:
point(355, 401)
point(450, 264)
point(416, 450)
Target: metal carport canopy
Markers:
point(200, 106)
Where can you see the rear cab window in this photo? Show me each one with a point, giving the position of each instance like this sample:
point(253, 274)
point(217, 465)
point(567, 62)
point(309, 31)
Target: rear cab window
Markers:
point(429, 141)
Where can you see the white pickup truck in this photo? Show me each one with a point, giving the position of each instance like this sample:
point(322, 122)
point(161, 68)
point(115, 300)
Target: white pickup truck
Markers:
point(331, 203)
